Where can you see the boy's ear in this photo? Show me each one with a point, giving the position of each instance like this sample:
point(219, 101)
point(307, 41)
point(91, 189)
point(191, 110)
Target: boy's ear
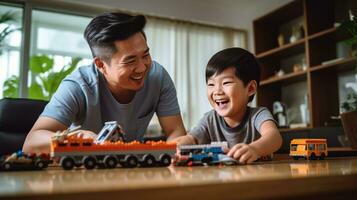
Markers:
point(252, 87)
point(100, 65)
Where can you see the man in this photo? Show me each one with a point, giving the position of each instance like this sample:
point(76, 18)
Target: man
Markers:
point(123, 84)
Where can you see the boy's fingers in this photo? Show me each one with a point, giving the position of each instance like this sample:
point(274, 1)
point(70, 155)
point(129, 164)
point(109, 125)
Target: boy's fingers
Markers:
point(241, 151)
point(233, 150)
point(245, 158)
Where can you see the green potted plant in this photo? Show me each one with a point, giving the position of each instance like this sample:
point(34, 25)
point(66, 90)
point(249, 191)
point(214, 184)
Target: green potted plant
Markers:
point(349, 107)
point(4, 19)
point(45, 79)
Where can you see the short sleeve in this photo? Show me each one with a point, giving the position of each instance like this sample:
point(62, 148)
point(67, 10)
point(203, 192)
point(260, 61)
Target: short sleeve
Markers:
point(200, 131)
point(168, 103)
point(263, 115)
point(67, 104)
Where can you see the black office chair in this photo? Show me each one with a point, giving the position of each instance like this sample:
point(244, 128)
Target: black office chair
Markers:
point(17, 117)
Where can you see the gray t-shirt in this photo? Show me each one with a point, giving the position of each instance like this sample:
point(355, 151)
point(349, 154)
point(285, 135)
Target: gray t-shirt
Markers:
point(84, 99)
point(213, 128)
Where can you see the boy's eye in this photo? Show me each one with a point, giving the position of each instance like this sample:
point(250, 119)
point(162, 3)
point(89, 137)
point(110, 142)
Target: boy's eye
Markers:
point(227, 82)
point(210, 84)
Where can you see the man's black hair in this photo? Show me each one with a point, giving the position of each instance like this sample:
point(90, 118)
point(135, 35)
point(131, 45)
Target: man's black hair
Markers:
point(105, 29)
point(245, 64)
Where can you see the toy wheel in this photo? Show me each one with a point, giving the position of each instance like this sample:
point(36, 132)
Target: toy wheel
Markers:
point(322, 156)
point(40, 164)
point(89, 162)
point(207, 160)
point(130, 161)
point(165, 160)
point(312, 156)
point(110, 162)
point(67, 163)
point(149, 160)
point(7, 166)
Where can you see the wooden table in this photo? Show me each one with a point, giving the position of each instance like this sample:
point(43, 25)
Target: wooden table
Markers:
point(329, 179)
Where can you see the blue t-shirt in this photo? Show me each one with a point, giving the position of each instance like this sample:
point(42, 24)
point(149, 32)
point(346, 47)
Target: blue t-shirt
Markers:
point(84, 99)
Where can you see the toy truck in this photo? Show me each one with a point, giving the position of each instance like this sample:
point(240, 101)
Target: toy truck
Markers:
point(23, 161)
point(206, 154)
point(308, 148)
point(70, 150)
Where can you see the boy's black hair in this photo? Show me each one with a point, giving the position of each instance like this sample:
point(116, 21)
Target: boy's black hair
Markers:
point(105, 29)
point(244, 62)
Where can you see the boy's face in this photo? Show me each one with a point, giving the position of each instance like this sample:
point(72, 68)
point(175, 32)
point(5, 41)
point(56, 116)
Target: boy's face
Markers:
point(129, 66)
point(227, 93)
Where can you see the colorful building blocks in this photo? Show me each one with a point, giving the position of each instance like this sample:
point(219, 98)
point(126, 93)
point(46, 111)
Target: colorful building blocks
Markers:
point(206, 154)
point(308, 148)
point(70, 150)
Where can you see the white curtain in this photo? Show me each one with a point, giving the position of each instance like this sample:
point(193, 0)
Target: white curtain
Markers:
point(184, 49)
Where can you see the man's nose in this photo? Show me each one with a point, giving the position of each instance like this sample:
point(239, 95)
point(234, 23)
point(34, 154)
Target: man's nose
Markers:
point(141, 67)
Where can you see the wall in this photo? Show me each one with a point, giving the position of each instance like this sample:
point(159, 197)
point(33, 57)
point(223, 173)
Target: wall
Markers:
point(232, 13)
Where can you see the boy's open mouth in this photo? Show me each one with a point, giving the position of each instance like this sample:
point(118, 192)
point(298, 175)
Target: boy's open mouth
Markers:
point(221, 102)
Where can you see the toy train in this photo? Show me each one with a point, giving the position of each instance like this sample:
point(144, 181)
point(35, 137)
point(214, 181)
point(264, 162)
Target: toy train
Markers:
point(69, 149)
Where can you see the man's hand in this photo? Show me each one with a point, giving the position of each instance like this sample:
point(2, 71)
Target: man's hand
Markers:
point(244, 153)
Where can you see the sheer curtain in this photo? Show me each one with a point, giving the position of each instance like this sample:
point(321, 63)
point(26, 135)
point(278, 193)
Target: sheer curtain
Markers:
point(184, 49)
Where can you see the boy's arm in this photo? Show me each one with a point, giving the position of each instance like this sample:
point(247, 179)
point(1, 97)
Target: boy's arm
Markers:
point(270, 140)
point(268, 143)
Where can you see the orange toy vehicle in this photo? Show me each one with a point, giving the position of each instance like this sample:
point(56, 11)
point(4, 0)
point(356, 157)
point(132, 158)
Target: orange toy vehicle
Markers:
point(308, 148)
point(70, 150)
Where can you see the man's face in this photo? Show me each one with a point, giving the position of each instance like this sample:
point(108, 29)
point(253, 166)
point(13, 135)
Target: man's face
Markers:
point(227, 94)
point(129, 66)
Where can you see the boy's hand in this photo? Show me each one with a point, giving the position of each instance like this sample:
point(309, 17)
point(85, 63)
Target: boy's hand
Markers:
point(244, 153)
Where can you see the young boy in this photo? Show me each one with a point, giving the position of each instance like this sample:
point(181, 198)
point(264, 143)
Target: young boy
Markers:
point(232, 77)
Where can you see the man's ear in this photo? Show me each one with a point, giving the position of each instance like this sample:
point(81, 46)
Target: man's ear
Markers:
point(252, 87)
point(100, 65)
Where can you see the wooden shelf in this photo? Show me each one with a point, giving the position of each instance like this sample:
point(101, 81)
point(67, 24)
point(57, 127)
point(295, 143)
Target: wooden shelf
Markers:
point(321, 43)
point(322, 33)
point(286, 130)
point(343, 64)
point(290, 48)
point(291, 77)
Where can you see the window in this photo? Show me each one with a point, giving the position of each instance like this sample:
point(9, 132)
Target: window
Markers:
point(311, 146)
point(58, 42)
point(321, 147)
point(184, 49)
point(10, 50)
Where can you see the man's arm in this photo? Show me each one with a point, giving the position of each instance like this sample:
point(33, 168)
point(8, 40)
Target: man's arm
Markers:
point(39, 137)
point(173, 127)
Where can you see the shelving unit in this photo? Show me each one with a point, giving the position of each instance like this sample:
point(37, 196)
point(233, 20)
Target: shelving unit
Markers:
point(316, 46)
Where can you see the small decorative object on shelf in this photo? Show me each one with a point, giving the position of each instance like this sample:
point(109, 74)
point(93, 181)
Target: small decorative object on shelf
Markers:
point(280, 73)
point(281, 40)
point(297, 68)
point(310, 149)
point(279, 112)
point(349, 114)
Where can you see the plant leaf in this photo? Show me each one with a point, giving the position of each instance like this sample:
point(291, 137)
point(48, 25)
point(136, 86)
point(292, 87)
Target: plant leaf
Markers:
point(35, 91)
point(11, 87)
point(40, 64)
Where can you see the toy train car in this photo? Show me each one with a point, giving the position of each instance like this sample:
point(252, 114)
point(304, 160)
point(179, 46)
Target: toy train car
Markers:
point(206, 154)
point(77, 151)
